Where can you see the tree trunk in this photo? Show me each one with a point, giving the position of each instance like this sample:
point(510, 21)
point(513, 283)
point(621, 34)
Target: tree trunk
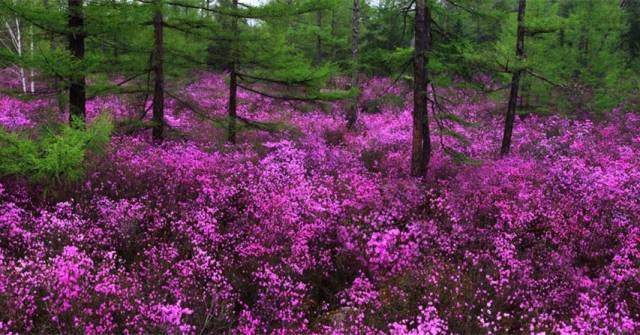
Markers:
point(352, 117)
point(158, 70)
point(233, 82)
point(515, 83)
point(16, 40)
point(19, 48)
point(32, 84)
point(77, 89)
point(421, 141)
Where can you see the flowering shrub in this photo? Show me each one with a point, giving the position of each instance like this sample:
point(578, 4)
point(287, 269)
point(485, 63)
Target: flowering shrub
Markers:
point(292, 232)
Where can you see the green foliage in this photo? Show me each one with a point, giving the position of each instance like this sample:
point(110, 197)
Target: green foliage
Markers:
point(386, 38)
point(454, 134)
point(576, 46)
point(587, 50)
point(57, 156)
point(456, 119)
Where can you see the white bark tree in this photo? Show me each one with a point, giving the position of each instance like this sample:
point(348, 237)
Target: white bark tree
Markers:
point(17, 43)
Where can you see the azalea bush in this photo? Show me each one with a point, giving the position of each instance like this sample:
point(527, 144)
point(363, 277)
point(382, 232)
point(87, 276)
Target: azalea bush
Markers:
point(296, 232)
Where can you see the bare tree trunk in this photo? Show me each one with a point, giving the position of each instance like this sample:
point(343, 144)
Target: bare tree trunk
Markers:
point(515, 84)
point(15, 33)
point(31, 72)
point(233, 82)
point(158, 70)
point(76, 36)
point(20, 48)
point(352, 117)
point(421, 141)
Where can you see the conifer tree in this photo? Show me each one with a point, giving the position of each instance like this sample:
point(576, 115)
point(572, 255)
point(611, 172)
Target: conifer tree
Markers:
point(355, 44)
point(515, 82)
point(233, 78)
point(69, 41)
point(259, 55)
point(158, 71)
point(67, 23)
point(421, 140)
point(76, 36)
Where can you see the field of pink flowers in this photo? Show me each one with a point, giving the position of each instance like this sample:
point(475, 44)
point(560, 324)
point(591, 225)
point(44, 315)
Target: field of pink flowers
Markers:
point(317, 230)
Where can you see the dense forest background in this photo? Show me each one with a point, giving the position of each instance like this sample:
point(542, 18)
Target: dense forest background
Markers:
point(572, 58)
point(320, 166)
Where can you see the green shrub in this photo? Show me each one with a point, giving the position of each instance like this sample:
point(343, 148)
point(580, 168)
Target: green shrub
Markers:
point(57, 155)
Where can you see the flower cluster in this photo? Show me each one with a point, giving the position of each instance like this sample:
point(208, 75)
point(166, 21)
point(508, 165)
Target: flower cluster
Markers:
point(319, 230)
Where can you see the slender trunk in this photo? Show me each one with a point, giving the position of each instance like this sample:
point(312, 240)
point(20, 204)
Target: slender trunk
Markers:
point(233, 82)
point(17, 43)
point(421, 141)
point(23, 77)
point(158, 71)
point(31, 72)
point(77, 90)
point(19, 49)
point(233, 93)
point(352, 117)
point(515, 83)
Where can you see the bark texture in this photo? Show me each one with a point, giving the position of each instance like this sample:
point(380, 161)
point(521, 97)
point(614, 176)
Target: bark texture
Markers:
point(76, 36)
point(421, 141)
point(158, 71)
point(352, 115)
point(515, 83)
point(233, 83)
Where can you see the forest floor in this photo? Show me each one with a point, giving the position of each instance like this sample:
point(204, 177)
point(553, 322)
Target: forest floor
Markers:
point(316, 229)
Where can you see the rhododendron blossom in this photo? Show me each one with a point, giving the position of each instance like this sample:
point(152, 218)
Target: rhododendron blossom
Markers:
point(314, 229)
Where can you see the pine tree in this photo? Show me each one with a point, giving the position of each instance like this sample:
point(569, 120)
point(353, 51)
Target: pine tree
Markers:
point(421, 140)
point(76, 36)
point(158, 71)
point(260, 54)
point(515, 82)
point(352, 115)
point(233, 78)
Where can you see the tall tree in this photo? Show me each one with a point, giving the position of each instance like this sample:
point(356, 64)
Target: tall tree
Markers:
point(76, 36)
point(233, 79)
point(421, 140)
point(355, 40)
point(158, 71)
point(515, 82)
point(15, 29)
point(259, 57)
